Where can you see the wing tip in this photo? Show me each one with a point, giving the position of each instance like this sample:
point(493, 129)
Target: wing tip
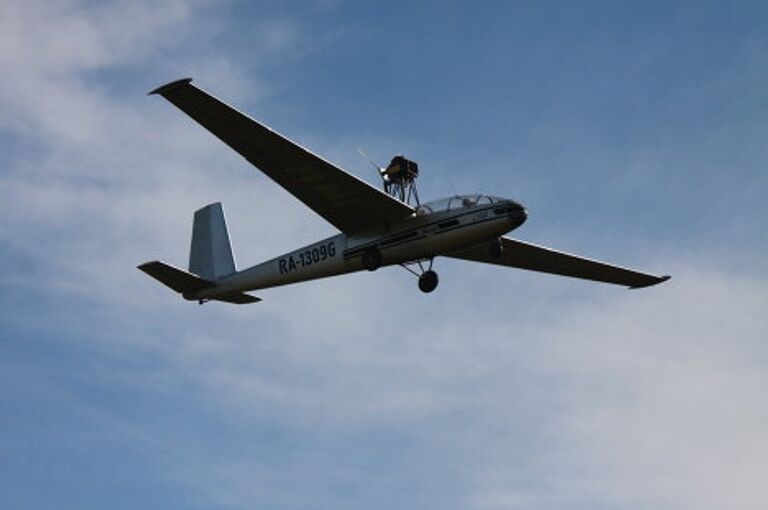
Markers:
point(162, 89)
point(147, 266)
point(657, 280)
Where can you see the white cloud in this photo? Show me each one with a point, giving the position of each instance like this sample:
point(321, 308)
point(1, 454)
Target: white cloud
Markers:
point(658, 401)
point(624, 399)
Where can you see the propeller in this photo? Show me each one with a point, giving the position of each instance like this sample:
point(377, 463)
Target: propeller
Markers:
point(379, 169)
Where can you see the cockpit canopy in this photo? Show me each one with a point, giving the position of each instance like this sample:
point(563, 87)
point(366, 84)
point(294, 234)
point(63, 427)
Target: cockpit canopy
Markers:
point(457, 202)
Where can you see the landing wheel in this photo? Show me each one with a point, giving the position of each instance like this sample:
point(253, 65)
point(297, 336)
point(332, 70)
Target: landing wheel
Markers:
point(428, 281)
point(496, 248)
point(372, 259)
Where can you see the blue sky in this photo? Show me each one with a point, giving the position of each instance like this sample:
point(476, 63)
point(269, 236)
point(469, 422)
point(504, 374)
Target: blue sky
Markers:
point(632, 131)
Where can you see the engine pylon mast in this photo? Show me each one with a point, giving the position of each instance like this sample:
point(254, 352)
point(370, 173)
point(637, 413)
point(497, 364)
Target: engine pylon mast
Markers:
point(400, 180)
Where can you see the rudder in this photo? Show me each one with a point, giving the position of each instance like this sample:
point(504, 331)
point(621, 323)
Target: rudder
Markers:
point(210, 255)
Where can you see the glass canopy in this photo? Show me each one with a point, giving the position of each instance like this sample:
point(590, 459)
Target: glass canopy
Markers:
point(456, 202)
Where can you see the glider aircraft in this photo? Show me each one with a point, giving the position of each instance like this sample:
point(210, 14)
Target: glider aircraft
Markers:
point(377, 228)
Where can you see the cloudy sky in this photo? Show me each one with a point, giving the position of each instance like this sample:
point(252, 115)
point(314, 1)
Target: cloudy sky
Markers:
point(633, 132)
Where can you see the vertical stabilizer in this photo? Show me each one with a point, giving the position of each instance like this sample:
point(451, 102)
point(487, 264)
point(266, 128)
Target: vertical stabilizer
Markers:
point(210, 255)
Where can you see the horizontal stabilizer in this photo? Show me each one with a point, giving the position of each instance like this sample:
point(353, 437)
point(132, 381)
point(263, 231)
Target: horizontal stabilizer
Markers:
point(238, 298)
point(189, 284)
point(173, 277)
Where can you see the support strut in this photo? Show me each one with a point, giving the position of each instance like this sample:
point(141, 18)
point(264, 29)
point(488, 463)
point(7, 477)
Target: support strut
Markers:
point(428, 278)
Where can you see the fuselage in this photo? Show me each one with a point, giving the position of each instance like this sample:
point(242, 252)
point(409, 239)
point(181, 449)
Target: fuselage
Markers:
point(436, 228)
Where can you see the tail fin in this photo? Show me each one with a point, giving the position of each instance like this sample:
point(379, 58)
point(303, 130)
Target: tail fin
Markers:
point(210, 255)
point(210, 259)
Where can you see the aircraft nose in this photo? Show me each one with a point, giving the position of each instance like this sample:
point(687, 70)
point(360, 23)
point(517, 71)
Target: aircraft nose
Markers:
point(518, 214)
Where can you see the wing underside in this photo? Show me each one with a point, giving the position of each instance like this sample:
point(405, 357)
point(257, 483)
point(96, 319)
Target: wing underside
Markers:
point(538, 258)
point(348, 203)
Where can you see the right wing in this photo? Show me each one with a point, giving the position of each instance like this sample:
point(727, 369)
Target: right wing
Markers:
point(537, 258)
point(348, 203)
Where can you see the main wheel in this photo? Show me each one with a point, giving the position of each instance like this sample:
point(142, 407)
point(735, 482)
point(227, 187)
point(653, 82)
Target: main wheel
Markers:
point(371, 259)
point(428, 281)
point(496, 248)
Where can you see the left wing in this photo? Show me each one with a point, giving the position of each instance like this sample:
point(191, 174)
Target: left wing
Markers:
point(348, 203)
point(537, 258)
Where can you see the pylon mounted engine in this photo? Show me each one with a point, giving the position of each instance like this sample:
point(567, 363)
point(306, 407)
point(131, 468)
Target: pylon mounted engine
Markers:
point(400, 180)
